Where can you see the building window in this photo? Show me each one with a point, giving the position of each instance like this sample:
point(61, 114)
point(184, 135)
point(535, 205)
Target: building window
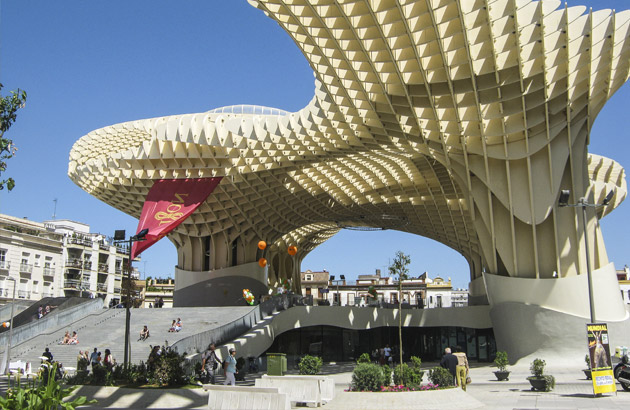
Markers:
point(336, 298)
point(307, 291)
point(308, 277)
point(350, 299)
point(438, 301)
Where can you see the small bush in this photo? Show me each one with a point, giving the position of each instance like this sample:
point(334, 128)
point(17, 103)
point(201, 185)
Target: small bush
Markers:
point(407, 376)
point(440, 376)
point(537, 367)
point(169, 370)
point(369, 377)
point(416, 361)
point(364, 358)
point(387, 373)
point(310, 365)
point(501, 361)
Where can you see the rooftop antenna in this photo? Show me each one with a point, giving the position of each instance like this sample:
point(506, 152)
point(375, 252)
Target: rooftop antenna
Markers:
point(54, 209)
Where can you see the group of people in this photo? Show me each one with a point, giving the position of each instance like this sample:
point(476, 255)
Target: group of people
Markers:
point(176, 326)
point(210, 364)
point(97, 359)
point(70, 339)
point(157, 303)
point(457, 364)
point(43, 311)
point(385, 355)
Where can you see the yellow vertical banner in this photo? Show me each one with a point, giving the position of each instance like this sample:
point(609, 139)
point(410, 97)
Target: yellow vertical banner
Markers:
point(599, 355)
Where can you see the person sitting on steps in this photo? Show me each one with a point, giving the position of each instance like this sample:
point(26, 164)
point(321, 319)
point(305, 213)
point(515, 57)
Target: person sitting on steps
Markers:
point(144, 334)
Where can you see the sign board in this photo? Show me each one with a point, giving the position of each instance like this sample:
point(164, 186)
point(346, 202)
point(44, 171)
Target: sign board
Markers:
point(599, 356)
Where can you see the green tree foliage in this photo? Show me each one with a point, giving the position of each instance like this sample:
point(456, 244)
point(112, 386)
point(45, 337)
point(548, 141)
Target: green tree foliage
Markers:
point(8, 113)
point(364, 358)
point(310, 365)
point(400, 268)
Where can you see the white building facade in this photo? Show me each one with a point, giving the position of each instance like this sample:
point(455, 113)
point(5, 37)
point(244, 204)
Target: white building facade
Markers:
point(58, 258)
point(419, 292)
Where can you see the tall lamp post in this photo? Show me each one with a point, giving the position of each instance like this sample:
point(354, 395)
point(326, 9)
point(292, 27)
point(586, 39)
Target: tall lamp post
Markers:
point(119, 237)
point(563, 201)
point(11, 324)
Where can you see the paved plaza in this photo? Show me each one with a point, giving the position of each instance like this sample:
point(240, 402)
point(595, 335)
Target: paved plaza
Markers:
point(572, 391)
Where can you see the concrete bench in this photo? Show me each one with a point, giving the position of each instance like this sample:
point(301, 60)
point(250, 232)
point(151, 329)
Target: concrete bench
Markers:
point(326, 384)
point(244, 397)
point(298, 388)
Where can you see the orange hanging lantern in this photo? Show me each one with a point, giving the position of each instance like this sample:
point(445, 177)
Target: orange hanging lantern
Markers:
point(262, 245)
point(262, 262)
point(292, 250)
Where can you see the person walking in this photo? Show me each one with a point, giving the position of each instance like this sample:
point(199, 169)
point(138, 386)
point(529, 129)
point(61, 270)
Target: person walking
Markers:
point(449, 362)
point(230, 368)
point(462, 367)
point(210, 363)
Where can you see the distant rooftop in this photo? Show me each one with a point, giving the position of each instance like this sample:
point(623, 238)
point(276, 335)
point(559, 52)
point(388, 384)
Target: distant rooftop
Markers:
point(248, 109)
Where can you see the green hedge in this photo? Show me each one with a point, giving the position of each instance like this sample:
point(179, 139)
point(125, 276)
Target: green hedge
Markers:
point(369, 377)
point(310, 365)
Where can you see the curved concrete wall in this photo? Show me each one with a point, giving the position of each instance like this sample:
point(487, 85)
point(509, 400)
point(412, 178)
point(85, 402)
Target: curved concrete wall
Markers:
point(260, 338)
point(548, 316)
point(222, 287)
point(565, 295)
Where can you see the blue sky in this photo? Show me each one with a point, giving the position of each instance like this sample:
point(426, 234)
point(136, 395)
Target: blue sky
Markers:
point(89, 64)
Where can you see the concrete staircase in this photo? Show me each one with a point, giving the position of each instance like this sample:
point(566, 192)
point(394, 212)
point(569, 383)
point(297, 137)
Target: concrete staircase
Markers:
point(106, 330)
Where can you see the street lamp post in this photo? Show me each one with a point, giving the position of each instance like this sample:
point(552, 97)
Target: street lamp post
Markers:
point(563, 202)
point(119, 237)
point(11, 324)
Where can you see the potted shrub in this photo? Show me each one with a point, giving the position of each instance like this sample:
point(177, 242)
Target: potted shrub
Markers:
point(539, 380)
point(501, 362)
point(587, 371)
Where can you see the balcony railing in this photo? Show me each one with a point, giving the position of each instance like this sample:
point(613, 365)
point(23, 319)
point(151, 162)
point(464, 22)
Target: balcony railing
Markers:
point(74, 263)
point(119, 271)
point(87, 265)
point(71, 284)
point(5, 265)
point(24, 294)
point(102, 287)
point(80, 241)
point(49, 271)
point(117, 290)
point(103, 267)
point(26, 268)
point(103, 246)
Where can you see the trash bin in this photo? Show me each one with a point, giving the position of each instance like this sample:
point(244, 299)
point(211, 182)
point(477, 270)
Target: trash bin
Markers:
point(276, 364)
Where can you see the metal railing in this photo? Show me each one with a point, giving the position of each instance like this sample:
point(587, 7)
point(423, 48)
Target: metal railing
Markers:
point(103, 267)
point(80, 241)
point(24, 294)
point(71, 284)
point(5, 264)
point(74, 263)
point(101, 287)
point(49, 271)
point(26, 268)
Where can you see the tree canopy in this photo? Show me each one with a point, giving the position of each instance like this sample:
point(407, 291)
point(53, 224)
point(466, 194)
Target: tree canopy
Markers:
point(8, 113)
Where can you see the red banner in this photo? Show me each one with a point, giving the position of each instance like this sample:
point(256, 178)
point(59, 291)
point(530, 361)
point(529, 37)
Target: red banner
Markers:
point(168, 203)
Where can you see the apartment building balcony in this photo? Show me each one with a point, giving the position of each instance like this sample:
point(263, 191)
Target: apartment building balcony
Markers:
point(26, 268)
point(102, 287)
point(103, 267)
point(80, 241)
point(24, 294)
point(49, 271)
point(103, 246)
point(4, 292)
point(87, 265)
point(74, 263)
point(85, 284)
point(117, 290)
point(72, 284)
point(5, 265)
